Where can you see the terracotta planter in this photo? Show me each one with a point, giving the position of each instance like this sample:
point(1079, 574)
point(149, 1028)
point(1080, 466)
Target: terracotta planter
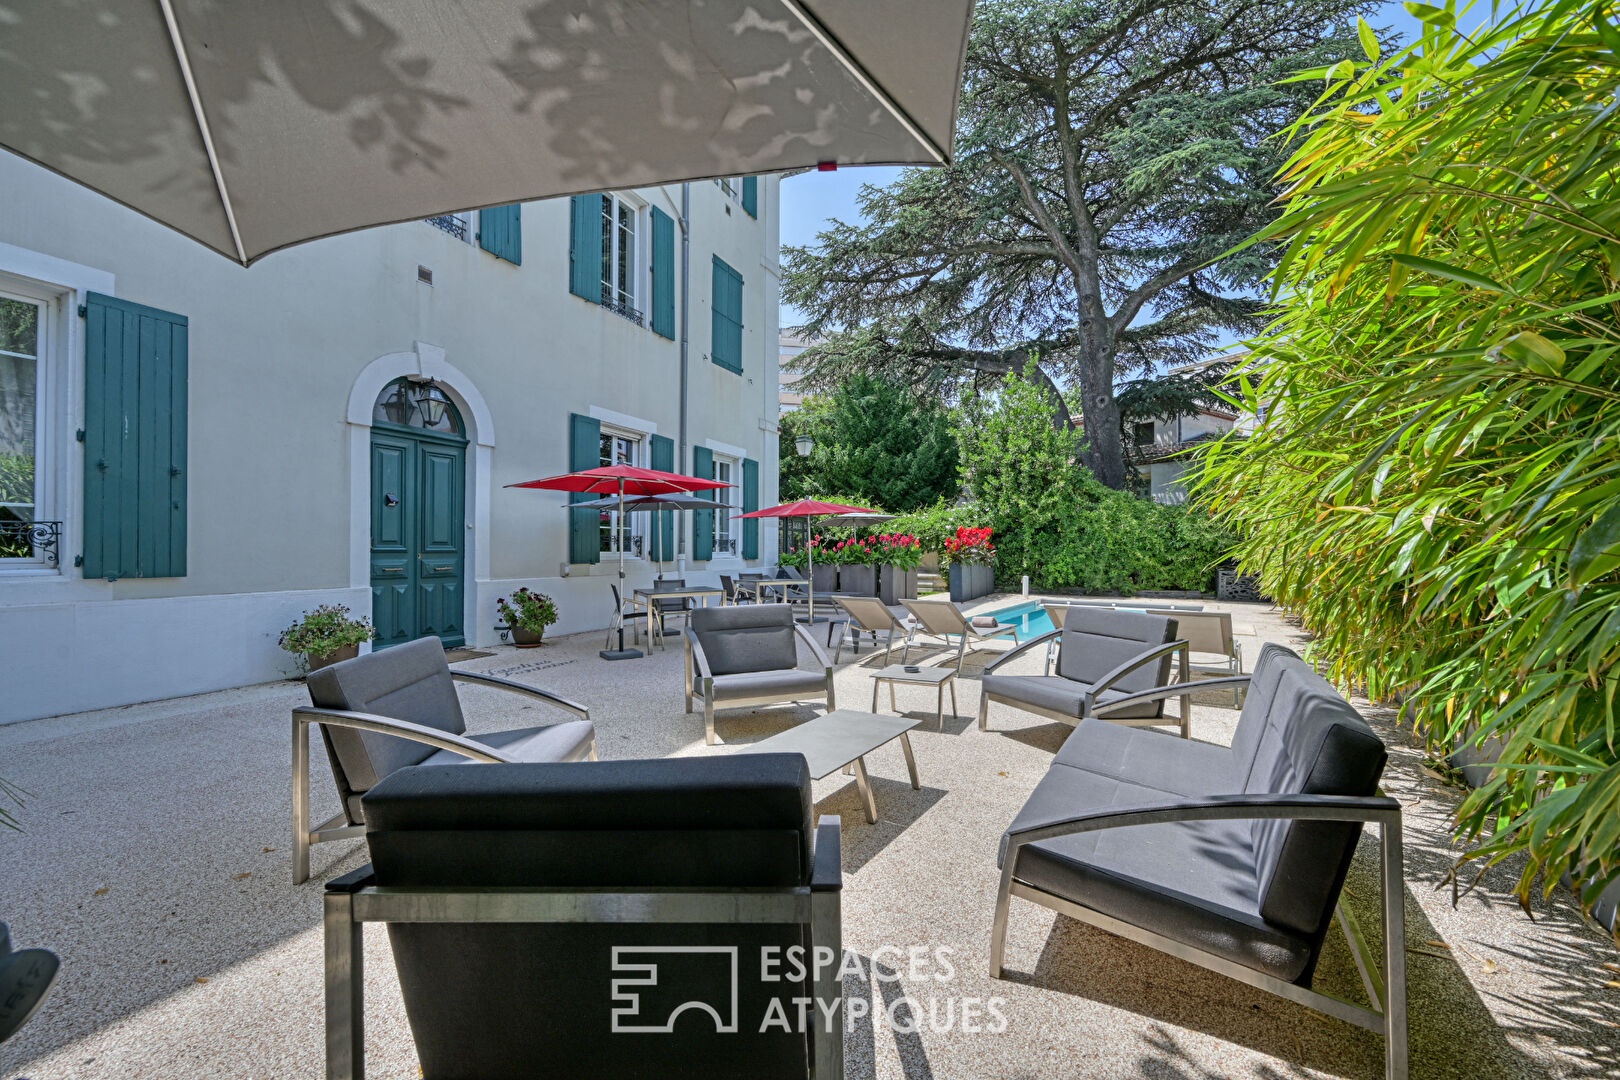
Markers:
point(858, 580)
point(895, 584)
point(527, 639)
point(969, 582)
point(315, 663)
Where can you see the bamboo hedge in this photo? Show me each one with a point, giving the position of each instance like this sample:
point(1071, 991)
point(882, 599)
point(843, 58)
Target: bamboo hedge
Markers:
point(1434, 484)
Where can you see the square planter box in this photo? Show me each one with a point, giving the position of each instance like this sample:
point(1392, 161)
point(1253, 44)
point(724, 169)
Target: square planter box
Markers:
point(971, 582)
point(824, 578)
point(895, 584)
point(858, 580)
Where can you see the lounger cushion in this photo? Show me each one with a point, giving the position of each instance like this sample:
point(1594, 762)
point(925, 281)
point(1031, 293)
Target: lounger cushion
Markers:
point(1097, 640)
point(1193, 883)
point(1152, 758)
point(407, 682)
point(567, 741)
point(745, 639)
point(1061, 695)
point(510, 1001)
point(780, 684)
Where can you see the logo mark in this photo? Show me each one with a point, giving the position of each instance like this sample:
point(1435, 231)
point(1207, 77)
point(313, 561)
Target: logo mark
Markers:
point(627, 1016)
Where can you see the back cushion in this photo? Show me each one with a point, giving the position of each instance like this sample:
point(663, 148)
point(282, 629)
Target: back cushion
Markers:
point(1257, 701)
point(501, 1001)
point(1314, 743)
point(740, 639)
point(407, 682)
point(1098, 640)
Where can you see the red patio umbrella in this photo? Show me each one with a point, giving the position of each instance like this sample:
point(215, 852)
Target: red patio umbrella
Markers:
point(808, 508)
point(622, 480)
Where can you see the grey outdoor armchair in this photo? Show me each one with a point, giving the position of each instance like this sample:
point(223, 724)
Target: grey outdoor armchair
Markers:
point(636, 918)
point(383, 711)
point(737, 656)
point(1231, 858)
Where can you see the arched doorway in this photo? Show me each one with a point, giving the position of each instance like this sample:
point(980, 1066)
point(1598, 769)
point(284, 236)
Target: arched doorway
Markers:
point(418, 514)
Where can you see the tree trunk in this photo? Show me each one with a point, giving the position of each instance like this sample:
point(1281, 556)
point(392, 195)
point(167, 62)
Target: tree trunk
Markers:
point(1105, 449)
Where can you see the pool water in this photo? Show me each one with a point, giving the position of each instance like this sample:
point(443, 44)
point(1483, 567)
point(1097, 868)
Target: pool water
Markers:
point(1030, 619)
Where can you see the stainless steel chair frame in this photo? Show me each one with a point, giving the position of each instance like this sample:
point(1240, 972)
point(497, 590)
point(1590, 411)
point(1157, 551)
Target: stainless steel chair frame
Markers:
point(354, 900)
point(1386, 992)
point(701, 682)
point(1183, 689)
point(968, 631)
point(855, 627)
point(341, 826)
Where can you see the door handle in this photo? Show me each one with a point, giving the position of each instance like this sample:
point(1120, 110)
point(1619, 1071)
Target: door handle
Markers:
point(441, 569)
point(391, 570)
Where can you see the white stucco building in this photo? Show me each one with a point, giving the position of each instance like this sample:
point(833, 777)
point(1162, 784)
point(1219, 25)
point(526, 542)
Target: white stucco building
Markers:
point(195, 453)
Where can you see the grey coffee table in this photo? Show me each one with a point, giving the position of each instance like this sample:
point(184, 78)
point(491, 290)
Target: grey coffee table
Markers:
point(936, 677)
point(843, 738)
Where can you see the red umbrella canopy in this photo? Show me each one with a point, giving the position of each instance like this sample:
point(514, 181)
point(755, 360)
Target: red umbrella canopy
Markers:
point(607, 480)
point(806, 508)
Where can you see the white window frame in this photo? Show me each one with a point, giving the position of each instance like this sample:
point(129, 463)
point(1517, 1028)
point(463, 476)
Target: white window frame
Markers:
point(728, 539)
point(633, 525)
point(632, 287)
point(50, 420)
point(730, 188)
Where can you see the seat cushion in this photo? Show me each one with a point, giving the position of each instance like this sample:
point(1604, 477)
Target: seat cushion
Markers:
point(782, 684)
point(568, 741)
point(1191, 882)
point(407, 682)
point(1095, 641)
point(1152, 758)
point(758, 637)
point(1063, 695)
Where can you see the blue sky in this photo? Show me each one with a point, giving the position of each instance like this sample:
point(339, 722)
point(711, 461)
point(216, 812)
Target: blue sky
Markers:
point(810, 199)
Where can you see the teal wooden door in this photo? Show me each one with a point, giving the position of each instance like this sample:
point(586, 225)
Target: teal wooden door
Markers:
point(418, 535)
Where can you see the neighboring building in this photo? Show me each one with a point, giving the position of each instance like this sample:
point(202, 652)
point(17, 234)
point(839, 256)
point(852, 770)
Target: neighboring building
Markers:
point(1154, 447)
point(192, 454)
point(791, 399)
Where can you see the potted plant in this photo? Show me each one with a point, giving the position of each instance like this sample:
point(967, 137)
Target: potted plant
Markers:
point(825, 565)
point(527, 615)
point(857, 567)
point(971, 555)
point(326, 635)
point(899, 556)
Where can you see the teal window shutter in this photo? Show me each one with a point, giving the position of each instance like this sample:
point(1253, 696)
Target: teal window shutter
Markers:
point(584, 452)
point(585, 247)
point(725, 347)
point(663, 459)
point(663, 275)
point(500, 232)
point(135, 401)
point(751, 196)
point(703, 520)
point(750, 503)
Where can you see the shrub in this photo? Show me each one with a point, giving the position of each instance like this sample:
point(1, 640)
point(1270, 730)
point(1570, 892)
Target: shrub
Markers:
point(933, 526)
point(527, 610)
point(326, 630)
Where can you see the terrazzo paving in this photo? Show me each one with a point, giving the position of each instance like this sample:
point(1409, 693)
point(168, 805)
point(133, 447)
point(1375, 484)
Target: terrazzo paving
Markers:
point(155, 862)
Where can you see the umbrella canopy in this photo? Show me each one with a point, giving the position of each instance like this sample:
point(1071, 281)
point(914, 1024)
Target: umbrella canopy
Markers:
point(253, 127)
point(625, 480)
point(806, 508)
point(651, 502)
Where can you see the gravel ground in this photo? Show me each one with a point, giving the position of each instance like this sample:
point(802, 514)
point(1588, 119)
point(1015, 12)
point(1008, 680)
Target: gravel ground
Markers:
point(155, 861)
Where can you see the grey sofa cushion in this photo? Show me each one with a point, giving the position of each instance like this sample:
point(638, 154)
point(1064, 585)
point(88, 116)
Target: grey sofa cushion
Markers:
point(1258, 698)
point(1063, 695)
point(1095, 641)
point(763, 683)
point(407, 682)
point(1152, 758)
point(1192, 882)
point(1314, 743)
point(510, 1001)
point(758, 637)
point(567, 741)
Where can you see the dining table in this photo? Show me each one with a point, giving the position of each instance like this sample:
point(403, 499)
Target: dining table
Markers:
point(648, 593)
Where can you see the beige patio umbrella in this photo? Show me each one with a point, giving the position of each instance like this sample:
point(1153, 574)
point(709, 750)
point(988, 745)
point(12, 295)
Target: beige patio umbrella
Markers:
point(251, 127)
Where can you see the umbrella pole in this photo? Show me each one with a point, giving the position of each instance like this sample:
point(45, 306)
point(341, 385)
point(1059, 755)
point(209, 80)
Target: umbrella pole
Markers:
point(618, 541)
point(811, 550)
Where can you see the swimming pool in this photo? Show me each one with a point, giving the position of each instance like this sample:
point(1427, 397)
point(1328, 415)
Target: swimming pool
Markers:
point(1030, 618)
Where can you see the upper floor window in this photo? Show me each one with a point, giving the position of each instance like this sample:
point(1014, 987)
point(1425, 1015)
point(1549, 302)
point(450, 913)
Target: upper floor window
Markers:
point(620, 218)
point(1143, 434)
point(743, 190)
point(458, 225)
point(22, 330)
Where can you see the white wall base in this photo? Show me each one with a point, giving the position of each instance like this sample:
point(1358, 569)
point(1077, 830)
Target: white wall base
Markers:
point(70, 657)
